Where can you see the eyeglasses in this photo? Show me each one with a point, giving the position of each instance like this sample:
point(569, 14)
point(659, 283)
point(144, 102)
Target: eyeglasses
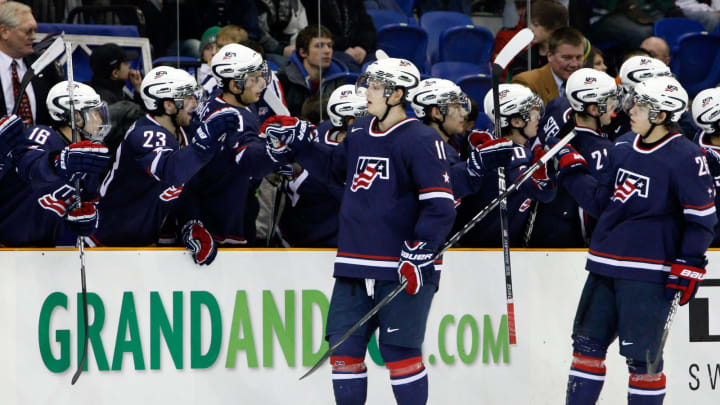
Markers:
point(27, 31)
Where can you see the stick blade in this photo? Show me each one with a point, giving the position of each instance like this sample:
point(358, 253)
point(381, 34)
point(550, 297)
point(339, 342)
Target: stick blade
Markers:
point(51, 53)
point(514, 47)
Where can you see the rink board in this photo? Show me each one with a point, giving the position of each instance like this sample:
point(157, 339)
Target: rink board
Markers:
point(246, 328)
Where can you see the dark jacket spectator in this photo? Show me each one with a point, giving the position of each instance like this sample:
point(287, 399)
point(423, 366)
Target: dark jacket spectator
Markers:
point(311, 60)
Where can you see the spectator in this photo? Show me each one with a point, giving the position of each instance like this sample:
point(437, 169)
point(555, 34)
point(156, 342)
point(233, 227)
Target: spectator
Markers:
point(111, 69)
point(17, 32)
point(353, 29)
point(657, 48)
point(230, 34)
point(280, 22)
point(707, 14)
point(566, 48)
point(546, 16)
point(208, 49)
point(308, 63)
point(596, 60)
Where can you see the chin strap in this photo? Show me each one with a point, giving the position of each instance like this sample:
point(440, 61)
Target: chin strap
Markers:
point(652, 127)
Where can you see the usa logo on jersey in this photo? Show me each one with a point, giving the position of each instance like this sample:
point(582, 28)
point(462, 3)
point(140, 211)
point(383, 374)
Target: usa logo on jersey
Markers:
point(368, 169)
point(628, 184)
point(58, 200)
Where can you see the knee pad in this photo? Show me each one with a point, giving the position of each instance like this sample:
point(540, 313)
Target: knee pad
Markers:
point(349, 356)
point(401, 360)
point(588, 357)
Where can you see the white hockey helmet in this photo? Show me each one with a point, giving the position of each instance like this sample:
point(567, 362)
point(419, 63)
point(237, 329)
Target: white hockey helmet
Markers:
point(514, 99)
point(87, 105)
point(659, 94)
point(706, 109)
point(166, 83)
point(235, 61)
point(640, 68)
point(344, 103)
point(392, 73)
point(589, 86)
point(437, 92)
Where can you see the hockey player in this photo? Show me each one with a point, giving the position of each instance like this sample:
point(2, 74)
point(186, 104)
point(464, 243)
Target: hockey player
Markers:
point(520, 112)
point(155, 159)
point(397, 209)
point(310, 217)
point(706, 114)
point(655, 204)
point(40, 165)
point(222, 195)
point(591, 100)
point(444, 107)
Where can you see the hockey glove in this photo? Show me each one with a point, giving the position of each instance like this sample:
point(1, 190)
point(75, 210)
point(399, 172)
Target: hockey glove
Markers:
point(489, 156)
point(713, 160)
point(477, 138)
point(288, 135)
point(82, 218)
point(82, 157)
point(11, 129)
point(211, 131)
point(198, 240)
point(685, 277)
point(543, 176)
point(280, 160)
point(413, 266)
point(568, 159)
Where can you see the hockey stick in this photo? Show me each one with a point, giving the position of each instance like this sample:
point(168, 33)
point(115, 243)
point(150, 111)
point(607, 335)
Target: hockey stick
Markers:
point(652, 366)
point(514, 47)
point(80, 241)
point(51, 53)
point(477, 218)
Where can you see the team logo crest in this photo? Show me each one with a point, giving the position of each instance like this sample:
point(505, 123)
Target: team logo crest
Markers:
point(57, 201)
point(228, 55)
point(671, 88)
point(160, 73)
point(644, 61)
point(706, 101)
point(368, 169)
point(590, 80)
point(628, 184)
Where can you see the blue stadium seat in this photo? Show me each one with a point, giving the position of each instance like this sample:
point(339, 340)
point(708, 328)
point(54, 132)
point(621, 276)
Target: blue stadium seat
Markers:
point(407, 6)
point(455, 70)
point(696, 61)
point(466, 44)
point(382, 18)
point(475, 86)
point(404, 41)
point(670, 29)
point(435, 22)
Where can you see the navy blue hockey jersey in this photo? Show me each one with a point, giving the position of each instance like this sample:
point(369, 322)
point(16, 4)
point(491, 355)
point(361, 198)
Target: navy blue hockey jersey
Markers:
point(312, 207)
point(397, 188)
point(487, 233)
point(703, 140)
point(33, 198)
point(222, 194)
point(146, 180)
point(655, 203)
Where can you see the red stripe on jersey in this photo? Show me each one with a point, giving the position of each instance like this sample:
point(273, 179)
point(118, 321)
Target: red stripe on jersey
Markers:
point(368, 256)
point(427, 190)
point(637, 259)
point(695, 207)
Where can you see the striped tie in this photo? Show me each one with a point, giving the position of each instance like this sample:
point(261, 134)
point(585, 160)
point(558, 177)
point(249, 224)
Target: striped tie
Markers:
point(24, 111)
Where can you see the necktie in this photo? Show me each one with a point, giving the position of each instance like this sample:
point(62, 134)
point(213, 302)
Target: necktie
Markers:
point(24, 111)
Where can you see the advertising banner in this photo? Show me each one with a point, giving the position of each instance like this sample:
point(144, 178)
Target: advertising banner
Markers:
point(243, 330)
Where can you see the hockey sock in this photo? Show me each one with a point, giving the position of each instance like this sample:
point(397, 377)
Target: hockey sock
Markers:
point(587, 375)
point(408, 375)
point(349, 373)
point(646, 389)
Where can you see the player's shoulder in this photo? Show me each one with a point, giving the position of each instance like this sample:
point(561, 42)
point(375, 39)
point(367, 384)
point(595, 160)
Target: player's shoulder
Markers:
point(684, 146)
point(44, 137)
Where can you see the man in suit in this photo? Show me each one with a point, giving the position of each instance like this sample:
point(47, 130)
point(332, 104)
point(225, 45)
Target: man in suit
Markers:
point(17, 32)
point(566, 49)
